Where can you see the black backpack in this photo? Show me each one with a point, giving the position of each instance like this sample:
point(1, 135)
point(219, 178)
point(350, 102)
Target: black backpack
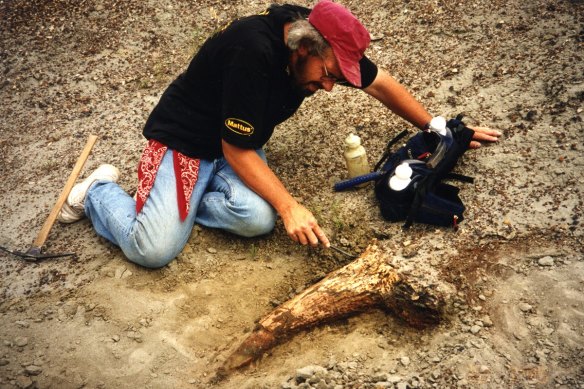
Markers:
point(426, 198)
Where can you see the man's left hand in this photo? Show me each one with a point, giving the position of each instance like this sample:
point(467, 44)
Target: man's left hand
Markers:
point(483, 134)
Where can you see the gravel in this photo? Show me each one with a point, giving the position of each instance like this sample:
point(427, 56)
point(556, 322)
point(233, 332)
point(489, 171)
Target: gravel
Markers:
point(515, 266)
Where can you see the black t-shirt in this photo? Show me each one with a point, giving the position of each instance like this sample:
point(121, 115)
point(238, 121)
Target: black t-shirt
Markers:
point(236, 88)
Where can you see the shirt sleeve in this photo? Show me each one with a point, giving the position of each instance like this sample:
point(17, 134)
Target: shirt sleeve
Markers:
point(245, 91)
point(368, 72)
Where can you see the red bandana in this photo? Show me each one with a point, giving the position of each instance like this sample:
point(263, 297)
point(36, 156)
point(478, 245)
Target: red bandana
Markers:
point(186, 170)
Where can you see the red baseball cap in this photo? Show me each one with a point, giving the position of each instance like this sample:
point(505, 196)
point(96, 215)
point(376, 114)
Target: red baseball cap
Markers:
point(346, 35)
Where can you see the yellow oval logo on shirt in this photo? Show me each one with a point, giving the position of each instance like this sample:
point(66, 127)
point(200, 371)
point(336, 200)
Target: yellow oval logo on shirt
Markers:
point(239, 126)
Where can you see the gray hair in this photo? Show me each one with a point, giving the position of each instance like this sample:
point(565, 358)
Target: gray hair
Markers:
point(302, 33)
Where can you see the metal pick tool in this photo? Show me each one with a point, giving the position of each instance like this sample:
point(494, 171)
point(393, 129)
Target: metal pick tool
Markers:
point(34, 252)
point(352, 256)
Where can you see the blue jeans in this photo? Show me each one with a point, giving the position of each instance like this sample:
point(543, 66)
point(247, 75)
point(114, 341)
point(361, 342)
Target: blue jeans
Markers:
point(156, 235)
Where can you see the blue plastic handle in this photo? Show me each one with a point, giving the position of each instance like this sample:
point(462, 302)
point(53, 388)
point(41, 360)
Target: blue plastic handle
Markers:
point(346, 184)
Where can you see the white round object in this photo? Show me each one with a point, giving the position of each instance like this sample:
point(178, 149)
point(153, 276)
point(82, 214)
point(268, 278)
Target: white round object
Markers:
point(401, 177)
point(438, 124)
point(352, 140)
point(403, 171)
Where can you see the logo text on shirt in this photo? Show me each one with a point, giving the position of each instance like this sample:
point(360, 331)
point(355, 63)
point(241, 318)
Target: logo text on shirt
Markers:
point(239, 126)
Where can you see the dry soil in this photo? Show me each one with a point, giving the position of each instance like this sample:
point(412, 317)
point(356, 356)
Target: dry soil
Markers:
point(69, 69)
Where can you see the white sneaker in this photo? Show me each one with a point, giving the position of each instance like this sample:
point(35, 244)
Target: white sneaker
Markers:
point(74, 209)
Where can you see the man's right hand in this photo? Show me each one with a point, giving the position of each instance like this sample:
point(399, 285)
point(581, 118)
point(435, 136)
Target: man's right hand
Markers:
point(302, 227)
point(300, 224)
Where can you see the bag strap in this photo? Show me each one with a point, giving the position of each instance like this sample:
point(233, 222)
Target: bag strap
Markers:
point(459, 177)
point(420, 194)
point(422, 191)
point(387, 151)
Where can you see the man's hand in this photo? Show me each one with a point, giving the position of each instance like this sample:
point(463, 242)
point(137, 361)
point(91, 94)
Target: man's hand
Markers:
point(302, 226)
point(395, 96)
point(483, 134)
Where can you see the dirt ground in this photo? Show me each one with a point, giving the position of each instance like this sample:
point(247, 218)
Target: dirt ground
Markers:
point(69, 69)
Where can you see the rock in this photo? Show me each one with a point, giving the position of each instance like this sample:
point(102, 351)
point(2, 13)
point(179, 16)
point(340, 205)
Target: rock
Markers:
point(287, 385)
point(524, 307)
point(409, 252)
point(212, 250)
point(546, 261)
point(307, 372)
point(22, 323)
point(405, 361)
point(477, 345)
point(120, 270)
point(135, 335)
point(61, 315)
point(106, 272)
point(70, 308)
point(541, 355)
point(380, 377)
point(547, 331)
point(394, 379)
point(4, 362)
point(116, 338)
point(484, 369)
point(475, 329)
point(21, 341)
point(33, 370)
point(487, 322)
point(23, 382)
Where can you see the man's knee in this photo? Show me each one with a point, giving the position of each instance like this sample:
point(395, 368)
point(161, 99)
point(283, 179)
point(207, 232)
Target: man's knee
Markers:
point(151, 259)
point(260, 222)
point(154, 253)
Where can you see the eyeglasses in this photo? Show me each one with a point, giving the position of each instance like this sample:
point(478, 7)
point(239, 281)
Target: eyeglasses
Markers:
point(329, 77)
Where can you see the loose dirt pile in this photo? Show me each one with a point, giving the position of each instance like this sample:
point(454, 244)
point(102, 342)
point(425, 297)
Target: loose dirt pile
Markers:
point(70, 69)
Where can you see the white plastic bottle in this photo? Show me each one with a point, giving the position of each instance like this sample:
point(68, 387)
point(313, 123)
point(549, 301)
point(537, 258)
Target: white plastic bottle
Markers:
point(355, 157)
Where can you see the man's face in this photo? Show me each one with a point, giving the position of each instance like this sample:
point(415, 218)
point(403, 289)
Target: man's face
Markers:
point(312, 73)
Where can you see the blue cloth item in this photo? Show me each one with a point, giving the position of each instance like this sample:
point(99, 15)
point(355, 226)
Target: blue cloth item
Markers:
point(156, 235)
